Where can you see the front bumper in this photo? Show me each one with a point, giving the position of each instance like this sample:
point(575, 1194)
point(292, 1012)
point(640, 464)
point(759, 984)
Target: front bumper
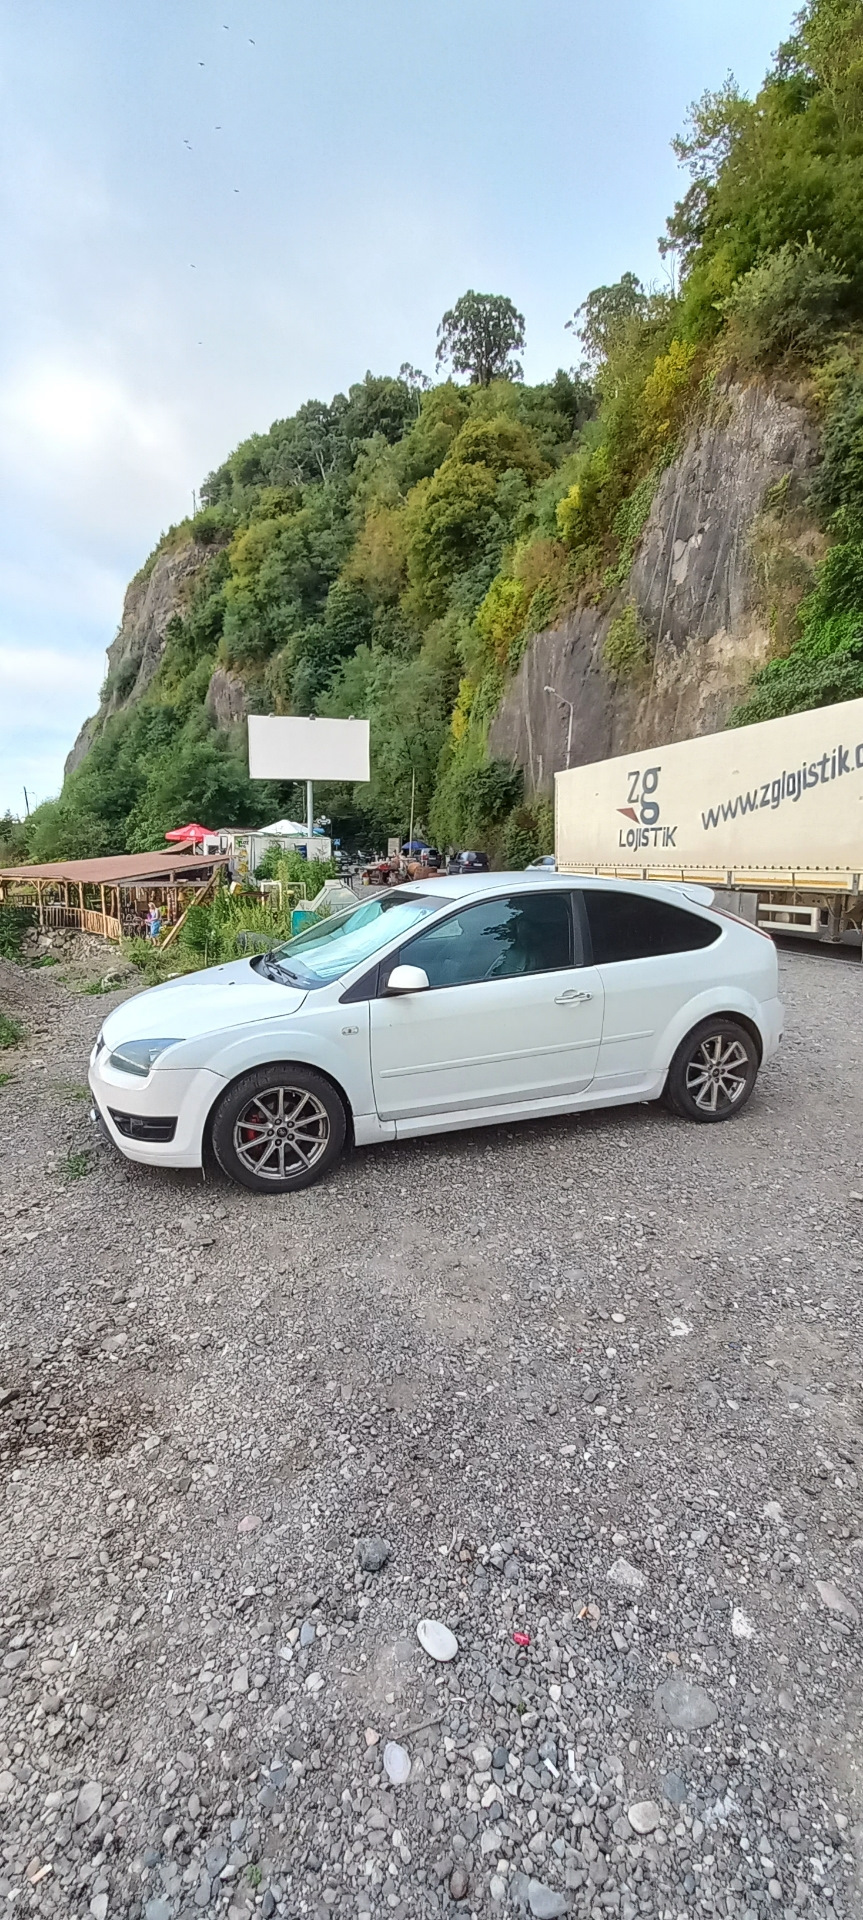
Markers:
point(167, 1102)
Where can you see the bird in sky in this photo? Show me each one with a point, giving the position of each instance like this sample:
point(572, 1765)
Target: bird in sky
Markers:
point(187, 143)
point(252, 43)
point(201, 63)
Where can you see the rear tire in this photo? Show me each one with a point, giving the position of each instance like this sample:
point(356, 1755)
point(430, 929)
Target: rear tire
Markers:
point(278, 1129)
point(713, 1071)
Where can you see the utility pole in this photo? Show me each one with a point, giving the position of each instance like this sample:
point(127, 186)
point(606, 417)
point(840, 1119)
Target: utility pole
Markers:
point(26, 804)
point(411, 828)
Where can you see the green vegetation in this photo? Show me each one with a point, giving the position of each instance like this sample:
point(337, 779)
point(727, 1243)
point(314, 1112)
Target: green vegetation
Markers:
point(234, 923)
point(480, 336)
point(11, 1031)
point(14, 922)
point(390, 552)
point(76, 1166)
point(626, 651)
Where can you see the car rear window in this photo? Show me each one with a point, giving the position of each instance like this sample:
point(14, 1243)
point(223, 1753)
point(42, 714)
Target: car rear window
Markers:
point(633, 926)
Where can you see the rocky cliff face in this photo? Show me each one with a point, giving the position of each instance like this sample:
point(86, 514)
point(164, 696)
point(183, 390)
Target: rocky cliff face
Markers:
point(694, 587)
point(156, 594)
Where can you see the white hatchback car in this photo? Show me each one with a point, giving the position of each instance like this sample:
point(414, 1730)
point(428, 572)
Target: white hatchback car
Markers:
point(497, 997)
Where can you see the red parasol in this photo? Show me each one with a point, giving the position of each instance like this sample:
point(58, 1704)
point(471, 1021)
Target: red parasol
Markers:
point(192, 833)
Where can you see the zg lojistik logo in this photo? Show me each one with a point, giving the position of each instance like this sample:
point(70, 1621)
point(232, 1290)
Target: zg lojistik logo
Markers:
point(647, 829)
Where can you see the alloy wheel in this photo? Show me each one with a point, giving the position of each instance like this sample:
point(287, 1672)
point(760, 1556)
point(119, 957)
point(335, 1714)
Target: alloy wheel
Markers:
point(283, 1130)
point(717, 1074)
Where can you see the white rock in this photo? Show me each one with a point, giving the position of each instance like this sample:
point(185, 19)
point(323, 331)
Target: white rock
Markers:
point(482, 1758)
point(240, 1680)
point(741, 1627)
point(99, 1906)
point(436, 1640)
point(838, 1602)
point(314, 1683)
point(397, 1763)
point(88, 1802)
point(773, 1511)
point(7, 1782)
point(679, 1329)
point(624, 1574)
point(497, 1887)
point(643, 1816)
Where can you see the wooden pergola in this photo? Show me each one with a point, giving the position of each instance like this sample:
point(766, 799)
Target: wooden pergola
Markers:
point(110, 896)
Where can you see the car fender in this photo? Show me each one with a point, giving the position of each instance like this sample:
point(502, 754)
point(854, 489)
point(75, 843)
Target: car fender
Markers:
point(715, 999)
point(343, 1055)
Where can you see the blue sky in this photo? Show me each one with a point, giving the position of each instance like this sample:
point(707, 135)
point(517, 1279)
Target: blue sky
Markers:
point(352, 166)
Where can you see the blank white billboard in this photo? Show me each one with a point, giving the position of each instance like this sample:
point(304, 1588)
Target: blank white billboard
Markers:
point(307, 749)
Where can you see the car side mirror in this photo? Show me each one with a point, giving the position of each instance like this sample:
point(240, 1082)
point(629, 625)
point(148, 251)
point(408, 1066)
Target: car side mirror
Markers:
point(407, 980)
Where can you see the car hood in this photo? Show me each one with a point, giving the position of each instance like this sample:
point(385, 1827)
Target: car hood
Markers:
point(208, 1002)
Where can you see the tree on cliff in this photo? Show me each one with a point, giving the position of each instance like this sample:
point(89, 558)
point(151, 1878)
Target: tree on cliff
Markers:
point(480, 336)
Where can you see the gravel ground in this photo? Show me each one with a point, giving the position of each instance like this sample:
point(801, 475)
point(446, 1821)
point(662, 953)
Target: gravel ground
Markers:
point(587, 1392)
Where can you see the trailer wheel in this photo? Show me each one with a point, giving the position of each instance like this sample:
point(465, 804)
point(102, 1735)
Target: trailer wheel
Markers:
point(713, 1071)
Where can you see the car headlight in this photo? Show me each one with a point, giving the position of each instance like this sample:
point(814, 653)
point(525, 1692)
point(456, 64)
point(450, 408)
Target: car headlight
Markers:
point(138, 1056)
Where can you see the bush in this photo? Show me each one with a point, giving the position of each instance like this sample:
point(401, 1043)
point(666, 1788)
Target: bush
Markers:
point(500, 618)
point(626, 651)
point(838, 489)
point(14, 922)
point(473, 799)
point(663, 399)
point(520, 844)
point(528, 834)
point(788, 304)
point(825, 664)
point(629, 523)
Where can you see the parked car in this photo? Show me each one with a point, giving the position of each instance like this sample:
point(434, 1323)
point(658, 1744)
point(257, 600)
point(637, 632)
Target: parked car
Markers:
point(426, 1008)
point(545, 864)
point(468, 863)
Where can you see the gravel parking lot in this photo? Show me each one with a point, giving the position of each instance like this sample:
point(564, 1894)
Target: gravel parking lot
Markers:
point(586, 1392)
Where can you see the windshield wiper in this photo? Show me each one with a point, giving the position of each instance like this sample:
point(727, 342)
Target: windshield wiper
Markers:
point(273, 970)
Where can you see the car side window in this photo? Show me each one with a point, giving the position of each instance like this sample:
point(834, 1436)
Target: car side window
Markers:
point(634, 926)
point(496, 940)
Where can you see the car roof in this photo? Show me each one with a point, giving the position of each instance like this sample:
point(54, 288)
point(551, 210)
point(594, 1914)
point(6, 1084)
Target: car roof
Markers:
point(457, 886)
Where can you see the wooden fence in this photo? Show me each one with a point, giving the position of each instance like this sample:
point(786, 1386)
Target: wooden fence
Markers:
point(85, 919)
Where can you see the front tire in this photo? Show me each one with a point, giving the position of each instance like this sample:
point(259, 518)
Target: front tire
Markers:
point(278, 1129)
point(713, 1071)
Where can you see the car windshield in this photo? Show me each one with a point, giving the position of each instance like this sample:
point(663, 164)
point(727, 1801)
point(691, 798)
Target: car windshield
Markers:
point(332, 947)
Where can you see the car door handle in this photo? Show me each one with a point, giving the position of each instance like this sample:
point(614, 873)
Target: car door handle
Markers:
point(571, 998)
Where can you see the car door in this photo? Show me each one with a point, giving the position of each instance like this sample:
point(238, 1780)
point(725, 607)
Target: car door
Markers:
point(511, 1014)
point(652, 956)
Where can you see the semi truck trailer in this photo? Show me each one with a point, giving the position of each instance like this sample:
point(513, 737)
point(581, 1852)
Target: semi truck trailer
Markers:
point(769, 816)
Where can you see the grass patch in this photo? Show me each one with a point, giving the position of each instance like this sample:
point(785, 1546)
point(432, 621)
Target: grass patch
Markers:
point(76, 1165)
point(6, 1078)
point(72, 1090)
point(11, 1031)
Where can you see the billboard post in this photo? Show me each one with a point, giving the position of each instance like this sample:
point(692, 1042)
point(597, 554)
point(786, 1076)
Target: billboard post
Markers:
point(307, 748)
